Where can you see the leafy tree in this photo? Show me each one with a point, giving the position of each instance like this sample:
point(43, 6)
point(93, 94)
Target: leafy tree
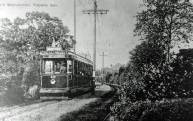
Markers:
point(160, 80)
point(121, 70)
point(146, 57)
point(98, 72)
point(31, 75)
point(183, 68)
point(22, 40)
point(161, 25)
point(165, 22)
point(114, 79)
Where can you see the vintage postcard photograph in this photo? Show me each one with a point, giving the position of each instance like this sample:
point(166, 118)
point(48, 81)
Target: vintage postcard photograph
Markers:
point(96, 60)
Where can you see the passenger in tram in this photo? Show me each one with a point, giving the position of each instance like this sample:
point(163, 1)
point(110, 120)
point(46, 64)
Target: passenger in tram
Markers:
point(57, 66)
point(70, 68)
point(63, 68)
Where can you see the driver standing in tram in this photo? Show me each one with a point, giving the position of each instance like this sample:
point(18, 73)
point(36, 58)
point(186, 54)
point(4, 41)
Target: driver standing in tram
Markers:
point(63, 68)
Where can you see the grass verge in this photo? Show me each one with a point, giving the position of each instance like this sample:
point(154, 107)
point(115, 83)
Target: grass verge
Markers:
point(180, 109)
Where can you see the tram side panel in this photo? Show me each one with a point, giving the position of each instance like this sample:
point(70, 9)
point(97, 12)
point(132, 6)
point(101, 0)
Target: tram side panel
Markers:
point(81, 76)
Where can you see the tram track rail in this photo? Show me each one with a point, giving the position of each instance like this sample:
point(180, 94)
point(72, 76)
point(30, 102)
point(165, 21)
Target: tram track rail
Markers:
point(95, 111)
point(115, 92)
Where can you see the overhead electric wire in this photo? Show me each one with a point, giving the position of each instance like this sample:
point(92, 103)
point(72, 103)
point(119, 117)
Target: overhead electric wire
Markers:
point(102, 45)
point(90, 21)
point(93, 25)
point(82, 5)
point(88, 14)
point(99, 26)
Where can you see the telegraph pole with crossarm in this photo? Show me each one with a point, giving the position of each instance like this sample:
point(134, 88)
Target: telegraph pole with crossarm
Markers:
point(103, 66)
point(95, 12)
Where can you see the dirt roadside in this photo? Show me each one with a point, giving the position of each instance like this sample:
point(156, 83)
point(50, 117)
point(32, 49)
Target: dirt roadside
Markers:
point(52, 111)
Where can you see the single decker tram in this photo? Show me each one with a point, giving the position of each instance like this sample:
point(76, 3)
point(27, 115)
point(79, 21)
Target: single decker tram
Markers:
point(64, 74)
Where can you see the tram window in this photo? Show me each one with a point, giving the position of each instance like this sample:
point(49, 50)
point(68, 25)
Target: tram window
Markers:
point(42, 67)
point(63, 68)
point(70, 68)
point(57, 66)
point(60, 66)
point(78, 68)
point(69, 63)
point(48, 66)
point(75, 67)
point(87, 69)
point(54, 66)
point(91, 70)
point(83, 69)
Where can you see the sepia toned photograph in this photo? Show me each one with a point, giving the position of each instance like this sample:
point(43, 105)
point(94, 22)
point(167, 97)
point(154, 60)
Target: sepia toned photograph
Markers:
point(96, 60)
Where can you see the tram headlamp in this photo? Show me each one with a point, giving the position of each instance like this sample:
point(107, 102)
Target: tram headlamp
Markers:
point(53, 81)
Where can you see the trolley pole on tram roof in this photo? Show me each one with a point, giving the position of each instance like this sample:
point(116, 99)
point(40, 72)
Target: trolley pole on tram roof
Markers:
point(95, 12)
point(103, 66)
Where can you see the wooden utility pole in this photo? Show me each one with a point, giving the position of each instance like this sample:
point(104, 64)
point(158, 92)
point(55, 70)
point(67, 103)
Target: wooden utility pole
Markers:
point(74, 24)
point(103, 55)
point(95, 12)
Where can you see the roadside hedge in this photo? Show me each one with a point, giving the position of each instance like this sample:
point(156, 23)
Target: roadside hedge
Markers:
point(165, 110)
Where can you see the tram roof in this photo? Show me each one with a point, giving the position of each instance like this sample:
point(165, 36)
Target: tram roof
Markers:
point(64, 54)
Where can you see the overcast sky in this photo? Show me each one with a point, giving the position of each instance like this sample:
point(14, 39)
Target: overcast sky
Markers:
point(115, 37)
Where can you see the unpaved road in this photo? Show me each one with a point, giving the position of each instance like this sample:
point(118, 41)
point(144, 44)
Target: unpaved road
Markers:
point(51, 110)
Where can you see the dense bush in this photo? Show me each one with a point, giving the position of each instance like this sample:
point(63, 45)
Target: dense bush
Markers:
point(131, 88)
point(31, 77)
point(16, 89)
point(148, 76)
point(170, 82)
point(165, 110)
point(114, 79)
point(11, 91)
point(108, 76)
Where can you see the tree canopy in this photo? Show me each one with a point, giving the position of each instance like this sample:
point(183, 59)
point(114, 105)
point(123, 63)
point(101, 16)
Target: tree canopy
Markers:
point(24, 37)
point(162, 25)
point(21, 40)
point(165, 22)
